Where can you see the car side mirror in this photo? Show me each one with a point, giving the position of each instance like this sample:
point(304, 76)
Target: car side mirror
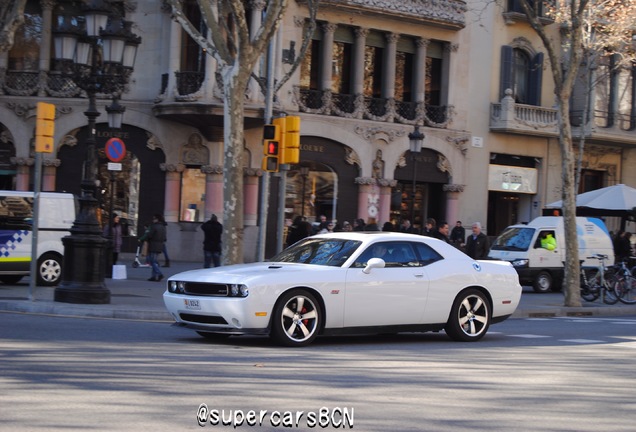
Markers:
point(373, 263)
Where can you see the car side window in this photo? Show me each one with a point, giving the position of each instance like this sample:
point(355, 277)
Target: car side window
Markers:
point(394, 254)
point(426, 254)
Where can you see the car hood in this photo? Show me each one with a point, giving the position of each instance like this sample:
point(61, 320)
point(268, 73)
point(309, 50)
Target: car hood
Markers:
point(245, 273)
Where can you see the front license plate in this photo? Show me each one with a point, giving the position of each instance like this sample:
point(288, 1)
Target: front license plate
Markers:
point(192, 304)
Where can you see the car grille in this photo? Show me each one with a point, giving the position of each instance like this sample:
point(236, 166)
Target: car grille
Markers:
point(206, 289)
point(203, 319)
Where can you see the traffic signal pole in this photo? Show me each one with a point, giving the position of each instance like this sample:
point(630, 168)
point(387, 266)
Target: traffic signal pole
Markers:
point(269, 103)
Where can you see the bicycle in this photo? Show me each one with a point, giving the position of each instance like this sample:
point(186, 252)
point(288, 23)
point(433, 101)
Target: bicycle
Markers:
point(625, 284)
point(595, 284)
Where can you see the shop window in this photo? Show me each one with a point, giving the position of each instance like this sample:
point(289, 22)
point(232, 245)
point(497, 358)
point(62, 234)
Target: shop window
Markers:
point(120, 191)
point(192, 195)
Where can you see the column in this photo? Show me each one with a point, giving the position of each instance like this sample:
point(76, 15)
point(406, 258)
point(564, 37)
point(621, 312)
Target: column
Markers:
point(45, 45)
point(213, 190)
point(250, 192)
point(386, 186)
point(446, 70)
point(4, 64)
point(174, 59)
point(419, 80)
point(358, 60)
point(172, 191)
point(388, 87)
point(49, 172)
point(327, 55)
point(23, 175)
point(365, 191)
point(452, 202)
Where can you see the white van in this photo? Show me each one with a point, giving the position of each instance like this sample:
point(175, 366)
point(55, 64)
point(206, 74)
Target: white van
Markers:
point(56, 216)
point(543, 268)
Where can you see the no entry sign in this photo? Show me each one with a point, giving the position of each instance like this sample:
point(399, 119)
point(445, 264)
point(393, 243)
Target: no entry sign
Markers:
point(115, 150)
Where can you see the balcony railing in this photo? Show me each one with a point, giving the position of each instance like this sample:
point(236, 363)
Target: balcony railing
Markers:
point(511, 117)
point(189, 83)
point(378, 109)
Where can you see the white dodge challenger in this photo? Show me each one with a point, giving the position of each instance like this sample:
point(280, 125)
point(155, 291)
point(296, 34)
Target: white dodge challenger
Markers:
point(348, 283)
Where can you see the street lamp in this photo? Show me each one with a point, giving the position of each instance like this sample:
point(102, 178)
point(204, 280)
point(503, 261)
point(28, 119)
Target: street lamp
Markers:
point(99, 60)
point(416, 138)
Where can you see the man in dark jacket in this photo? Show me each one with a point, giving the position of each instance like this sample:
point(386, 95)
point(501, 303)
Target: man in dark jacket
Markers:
point(156, 237)
point(442, 232)
point(458, 234)
point(477, 245)
point(212, 231)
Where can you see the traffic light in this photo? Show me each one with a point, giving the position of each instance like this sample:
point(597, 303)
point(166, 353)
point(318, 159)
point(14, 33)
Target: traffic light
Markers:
point(271, 147)
point(44, 127)
point(291, 138)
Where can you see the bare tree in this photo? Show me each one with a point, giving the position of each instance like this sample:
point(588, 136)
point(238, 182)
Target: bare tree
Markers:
point(11, 17)
point(237, 51)
point(611, 23)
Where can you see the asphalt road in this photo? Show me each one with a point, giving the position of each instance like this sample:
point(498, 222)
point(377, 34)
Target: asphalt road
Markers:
point(552, 374)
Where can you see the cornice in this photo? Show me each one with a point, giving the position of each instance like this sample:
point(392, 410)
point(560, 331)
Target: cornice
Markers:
point(442, 13)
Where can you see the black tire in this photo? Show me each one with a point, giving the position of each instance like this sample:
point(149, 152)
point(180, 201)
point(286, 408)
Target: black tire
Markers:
point(297, 319)
point(135, 264)
point(213, 336)
point(49, 269)
point(625, 290)
point(609, 296)
point(543, 282)
point(470, 316)
point(10, 279)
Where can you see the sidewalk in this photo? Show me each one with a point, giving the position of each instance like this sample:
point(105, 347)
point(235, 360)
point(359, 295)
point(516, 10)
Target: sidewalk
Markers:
point(135, 298)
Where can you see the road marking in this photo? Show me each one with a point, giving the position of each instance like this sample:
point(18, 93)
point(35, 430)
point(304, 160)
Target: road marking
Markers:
point(529, 336)
point(582, 341)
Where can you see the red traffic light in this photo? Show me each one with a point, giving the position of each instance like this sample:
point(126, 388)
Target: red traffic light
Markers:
point(272, 148)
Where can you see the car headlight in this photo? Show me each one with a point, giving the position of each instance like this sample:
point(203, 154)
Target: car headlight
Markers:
point(176, 286)
point(238, 290)
point(520, 263)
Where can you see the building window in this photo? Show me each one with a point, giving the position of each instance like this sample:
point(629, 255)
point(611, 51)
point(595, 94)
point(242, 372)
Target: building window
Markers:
point(404, 69)
point(192, 194)
point(310, 67)
point(373, 58)
point(522, 72)
point(25, 53)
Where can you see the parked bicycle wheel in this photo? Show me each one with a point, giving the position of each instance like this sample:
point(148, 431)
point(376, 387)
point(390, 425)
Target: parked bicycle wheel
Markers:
point(609, 296)
point(590, 289)
point(625, 290)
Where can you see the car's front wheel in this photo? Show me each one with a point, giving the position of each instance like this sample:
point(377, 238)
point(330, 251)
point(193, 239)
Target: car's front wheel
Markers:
point(297, 318)
point(470, 316)
point(49, 269)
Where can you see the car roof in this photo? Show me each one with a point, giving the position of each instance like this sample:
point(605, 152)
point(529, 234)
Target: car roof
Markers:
point(370, 237)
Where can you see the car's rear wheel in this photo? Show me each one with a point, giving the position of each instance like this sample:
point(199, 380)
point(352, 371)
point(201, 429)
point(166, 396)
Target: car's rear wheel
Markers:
point(297, 318)
point(543, 282)
point(470, 316)
point(49, 269)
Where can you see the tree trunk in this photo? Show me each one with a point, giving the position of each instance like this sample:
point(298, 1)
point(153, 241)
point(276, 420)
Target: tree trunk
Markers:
point(571, 280)
point(234, 85)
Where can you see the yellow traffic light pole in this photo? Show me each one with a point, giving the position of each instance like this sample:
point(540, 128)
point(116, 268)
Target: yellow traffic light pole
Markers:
point(44, 132)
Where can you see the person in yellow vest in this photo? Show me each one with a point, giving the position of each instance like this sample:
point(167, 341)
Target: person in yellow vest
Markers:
point(548, 241)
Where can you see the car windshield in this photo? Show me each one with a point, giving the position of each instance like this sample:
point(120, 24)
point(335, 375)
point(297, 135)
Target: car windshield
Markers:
point(514, 239)
point(319, 251)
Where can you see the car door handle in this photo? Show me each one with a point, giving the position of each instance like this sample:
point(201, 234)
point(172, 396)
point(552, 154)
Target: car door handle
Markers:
point(419, 275)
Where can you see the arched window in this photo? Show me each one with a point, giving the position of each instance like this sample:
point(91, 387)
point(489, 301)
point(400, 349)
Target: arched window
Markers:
point(520, 76)
point(522, 72)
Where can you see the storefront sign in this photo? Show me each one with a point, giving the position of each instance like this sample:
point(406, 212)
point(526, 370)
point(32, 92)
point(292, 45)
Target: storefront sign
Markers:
point(504, 178)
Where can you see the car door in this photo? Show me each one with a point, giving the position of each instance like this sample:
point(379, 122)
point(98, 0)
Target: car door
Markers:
point(393, 295)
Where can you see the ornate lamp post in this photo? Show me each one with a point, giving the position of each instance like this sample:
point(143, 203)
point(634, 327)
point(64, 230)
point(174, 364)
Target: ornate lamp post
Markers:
point(99, 60)
point(416, 138)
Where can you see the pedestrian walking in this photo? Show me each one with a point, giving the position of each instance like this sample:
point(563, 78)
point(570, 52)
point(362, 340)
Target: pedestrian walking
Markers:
point(212, 231)
point(477, 245)
point(156, 238)
point(113, 231)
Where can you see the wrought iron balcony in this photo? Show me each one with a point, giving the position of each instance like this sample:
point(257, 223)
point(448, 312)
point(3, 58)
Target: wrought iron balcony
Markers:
point(378, 109)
